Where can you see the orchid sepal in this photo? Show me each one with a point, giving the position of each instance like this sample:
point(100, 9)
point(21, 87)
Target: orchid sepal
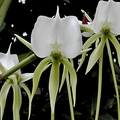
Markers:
point(53, 84)
point(36, 78)
point(17, 101)
point(86, 28)
point(73, 78)
point(116, 46)
point(96, 54)
point(25, 42)
point(3, 96)
point(86, 46)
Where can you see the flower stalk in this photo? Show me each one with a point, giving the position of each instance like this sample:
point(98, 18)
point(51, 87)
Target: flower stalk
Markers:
point(70, 97)
point(114, 78)
point(99, 87)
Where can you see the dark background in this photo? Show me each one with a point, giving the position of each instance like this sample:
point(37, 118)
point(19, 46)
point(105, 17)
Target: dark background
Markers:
point(20, 19)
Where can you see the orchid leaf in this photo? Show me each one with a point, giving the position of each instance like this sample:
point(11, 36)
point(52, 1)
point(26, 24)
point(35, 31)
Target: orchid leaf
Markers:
point(54, 84)
point(17, 101)
point(26, 43)
point(96, 54)
point(116, 45)
point(3, 96)
point(4, 6)
point(73, 77)
point(86, 45)
point(36, 77)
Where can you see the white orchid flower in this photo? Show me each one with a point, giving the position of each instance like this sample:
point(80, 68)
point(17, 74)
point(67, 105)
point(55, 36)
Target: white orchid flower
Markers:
point(56, 39)
point(106, 25)
point(56, 33)
point(107, 15)
point(16, 81)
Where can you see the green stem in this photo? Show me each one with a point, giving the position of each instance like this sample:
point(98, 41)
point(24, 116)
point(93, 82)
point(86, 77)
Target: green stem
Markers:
point(3, 10)
point(52, 116)
point(114, 78)
point(70, 97)
point(99, 87)
point(18, 66)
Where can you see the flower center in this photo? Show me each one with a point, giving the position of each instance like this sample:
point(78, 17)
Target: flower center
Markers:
point(56, 46)
point(56, 54)
point(105, 30)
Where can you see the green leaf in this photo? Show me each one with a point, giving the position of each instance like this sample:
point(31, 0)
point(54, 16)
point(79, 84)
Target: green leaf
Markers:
point(1, 2)
point(54, 84)
point(3, 96)
point(116, 45)
point(24, 41)
point(95, 55)
point(86, 45)
point(17, 101)
point(36, 77)
point(73, 77)
point(3, 9)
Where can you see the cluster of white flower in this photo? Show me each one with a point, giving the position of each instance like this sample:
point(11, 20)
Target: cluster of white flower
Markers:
point(58, 41)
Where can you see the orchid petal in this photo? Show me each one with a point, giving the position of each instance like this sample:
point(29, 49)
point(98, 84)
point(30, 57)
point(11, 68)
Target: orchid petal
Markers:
point(43, 35)
point(101, 15)
point(25, 77)
point(87, 34)
point(53, 84)
point(114, 21)
point(116, 45)
point(69, 36)
point(27, 91)
point(8, 58)
point(2, 69)
point(17, 101)
point(73, 78)
point(36, 78)
point(3, 96)
point(96, 54)
point(86, 45)
point(63, 78)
